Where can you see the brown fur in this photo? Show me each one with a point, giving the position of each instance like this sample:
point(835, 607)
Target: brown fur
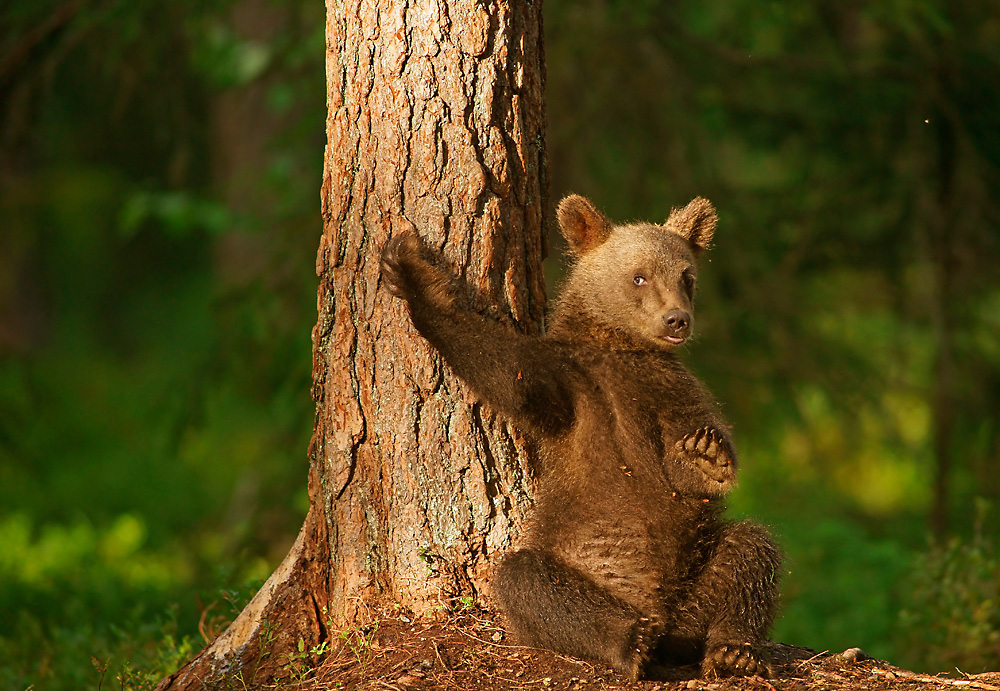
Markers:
point(629, 559)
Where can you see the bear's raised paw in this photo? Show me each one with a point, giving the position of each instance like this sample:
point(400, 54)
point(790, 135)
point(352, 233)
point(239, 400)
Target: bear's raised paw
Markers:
point(408, 273)
point(399, 256)
point(708, 444)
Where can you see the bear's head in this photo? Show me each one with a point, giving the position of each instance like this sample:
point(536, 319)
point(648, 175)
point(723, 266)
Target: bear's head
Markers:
point(636, 280)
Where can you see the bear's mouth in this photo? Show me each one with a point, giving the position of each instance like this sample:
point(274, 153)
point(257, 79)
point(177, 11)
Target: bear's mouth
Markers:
point(674, 340)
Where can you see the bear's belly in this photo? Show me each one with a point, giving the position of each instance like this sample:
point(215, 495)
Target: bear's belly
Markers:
point(625, 559)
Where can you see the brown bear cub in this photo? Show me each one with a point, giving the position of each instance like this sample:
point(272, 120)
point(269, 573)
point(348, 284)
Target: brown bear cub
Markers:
point(629, 559)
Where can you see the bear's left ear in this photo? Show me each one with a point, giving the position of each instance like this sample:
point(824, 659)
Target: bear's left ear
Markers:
point(695, 222)
point(583, 226)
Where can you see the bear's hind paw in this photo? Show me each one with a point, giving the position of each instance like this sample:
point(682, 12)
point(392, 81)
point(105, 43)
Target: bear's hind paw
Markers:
point(641, 639)
point(734, 660)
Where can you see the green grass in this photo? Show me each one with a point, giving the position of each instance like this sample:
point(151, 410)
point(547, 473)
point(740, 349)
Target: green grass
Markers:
point(76, 600)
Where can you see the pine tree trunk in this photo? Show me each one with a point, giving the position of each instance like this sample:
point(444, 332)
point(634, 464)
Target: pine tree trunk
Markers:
point(435, 125)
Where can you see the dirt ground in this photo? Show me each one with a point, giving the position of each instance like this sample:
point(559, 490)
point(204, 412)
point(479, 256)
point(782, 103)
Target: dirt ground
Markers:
point(468, 651)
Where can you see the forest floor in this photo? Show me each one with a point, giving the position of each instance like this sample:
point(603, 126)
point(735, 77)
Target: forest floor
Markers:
point(467, 651)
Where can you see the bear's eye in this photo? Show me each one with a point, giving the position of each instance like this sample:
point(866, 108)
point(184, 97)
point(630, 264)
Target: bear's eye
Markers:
point(689, 281)
point(639, 280)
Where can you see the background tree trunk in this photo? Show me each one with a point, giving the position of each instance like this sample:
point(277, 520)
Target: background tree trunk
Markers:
point(435, 125)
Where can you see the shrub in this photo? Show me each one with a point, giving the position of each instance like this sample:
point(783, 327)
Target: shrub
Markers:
point(953, 613)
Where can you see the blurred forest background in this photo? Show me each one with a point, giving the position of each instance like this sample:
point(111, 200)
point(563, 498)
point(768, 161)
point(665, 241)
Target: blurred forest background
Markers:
point(159, 217)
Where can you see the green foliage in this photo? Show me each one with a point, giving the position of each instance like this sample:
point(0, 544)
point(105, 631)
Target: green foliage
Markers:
point(953, 613)
point(178, 214)
point(227, 59)
point(154, 393)
point(301, 664)
point(359, 641)
point(844, 577)
point(72, 592)
point(76, 598)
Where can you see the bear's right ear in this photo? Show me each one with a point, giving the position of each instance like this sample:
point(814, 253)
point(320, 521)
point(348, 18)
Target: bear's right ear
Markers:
point(583, 226)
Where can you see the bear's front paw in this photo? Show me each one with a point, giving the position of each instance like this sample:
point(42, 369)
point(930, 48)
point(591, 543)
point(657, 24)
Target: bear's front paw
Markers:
point(409, 272)
point(641, 639)
point(707, 461)
point(734, 660)
point(708, 445)
point(399, 258)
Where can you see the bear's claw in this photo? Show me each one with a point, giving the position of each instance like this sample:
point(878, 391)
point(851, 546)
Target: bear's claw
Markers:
point(409, 273)
point(708, 443)
point(642, 638)
point(734, 660)
point(398, 258)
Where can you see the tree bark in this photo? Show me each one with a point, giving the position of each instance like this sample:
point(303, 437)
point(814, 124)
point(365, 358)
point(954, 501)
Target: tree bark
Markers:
point(435, 125)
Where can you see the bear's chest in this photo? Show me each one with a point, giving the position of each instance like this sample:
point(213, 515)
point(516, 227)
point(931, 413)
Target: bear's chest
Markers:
point(641, 411)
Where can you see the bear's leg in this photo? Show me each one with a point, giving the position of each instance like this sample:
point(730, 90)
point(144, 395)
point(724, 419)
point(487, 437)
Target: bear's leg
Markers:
point(733, 601)
point(551, 605)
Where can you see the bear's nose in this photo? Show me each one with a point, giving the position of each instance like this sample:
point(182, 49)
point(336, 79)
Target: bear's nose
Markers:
point(677, 321)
